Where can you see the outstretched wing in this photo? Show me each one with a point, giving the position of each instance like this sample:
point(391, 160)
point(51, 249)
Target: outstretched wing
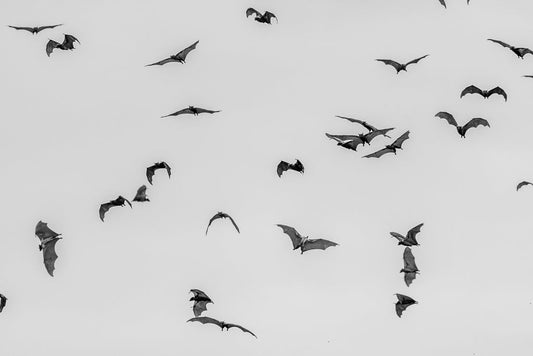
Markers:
point(398, 236)
point(199, 294)
point(390, 62)
point(104, 208)
point(200, 306)
point(150, 171)
point(298, 166)
point(206, 320)
point(500, 43)
point(523, 183)
point(3, 301)
point(166, 167)
point(50, 46)
point(373, 134)
point(268, 16)
point(472, 89)
point(379, 153)
point(252, 11)
point(296, 238)
point(402, 303)
point(282, 167)
point(443, 3)
point(416, 60)
point(184, 52)
point(69, 40)
point(342, 138)
point(228, 325)
point(475, 122)
point(40, 28)
point(29, 29)
point(180, 112)
point(200, 111)
point(361, 122)
point(524, 51)
point(448, 117)
point(233, 222)
point(352, 145)
point(161, 62)
point(498, 91)
point(50, 256)
point(317, 244)
point(411, 234)
point(400, 140)
point(43, 232)
point(215, 217)
point(141, 194)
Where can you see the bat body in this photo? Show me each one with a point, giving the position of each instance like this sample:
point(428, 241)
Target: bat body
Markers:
point(191, 110)
point(399, 66)
point(140, 196)
point(221, 324)
point(285, 166)
point(472, 89)
point(67, 44)
point(34, 30)
point(221, 215)
point(3, 301)
point(48, 239)
point(410, 239)
point(262, 18)
point(352, 141)
point(178, 57)
point(150, 171)
point(461, 130)
point(304, 243)
point(409, 266)
point(200, 300)
point(519, 51)
point(402, 303)
point(522, 184)
point(120, 201)
point(392, 148)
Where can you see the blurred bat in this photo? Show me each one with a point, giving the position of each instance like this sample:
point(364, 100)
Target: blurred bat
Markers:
point(200, 300)
point(179, 57)
point(396, 145)
point(263, 18)
point(150, 171)
point(472, 89)
point(410, 240)
point(352, 141)
point(528, 76)
point(443, 3)
point(409, 266)
point(221, 324)
point(3, 301)
point(221, 215)
point(191, 110)
point(519, 51)
point(48, 239)
point(141, 194)
point(523, 183)
point(402, 303)
point(284, 166)
point(475, 122)
point(304, 243)
point(398, 66)
point(68, 44)
point(34, 30)
point(117, 202)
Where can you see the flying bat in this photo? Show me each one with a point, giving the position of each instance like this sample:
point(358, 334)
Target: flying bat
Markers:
point(523, 183)
point(519, 51)
point(284, 166)
point(398, 66)
point(392, 148)
point(409, 266)
point(221, 215)
point(352, 141)
point(48, 239)
point(304, 243)
point(178, 57)
point(3, 301)
point(475, 122)
point(200, 300)
point(402, 303)
point(140, 196)
point(221, 324)
point(263, 18)
point(365, 124)
point(528, 76)
point(68, 44)
point(150, 171)
point(117, 202)
point(443, 3)
point(191, 110)
point(34, 30)
point(410, 239)
point(472, 89)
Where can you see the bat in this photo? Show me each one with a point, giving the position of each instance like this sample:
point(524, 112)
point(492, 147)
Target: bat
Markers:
point(68, 44)
point(472, 89)
point(396, 145)
point(519, 51)
point(221, 215)
point(475, 122)
point(117, 202)
point(3, 301)
point(304, 243)
point(150, 171)
point(191, 110)
point(140, 196)
point(402, 303)
point(410, 239)
point(398, 66)
point(284, 166)
point(221, 324)
point(178, 57)
point(200, 300)
point(528, 76)
point(48, 239)
point(263, 18)
point(34, 30)
point(365, 124)
point(352, 141)
point(409, 266)
point(523, 183)
point(443, 3)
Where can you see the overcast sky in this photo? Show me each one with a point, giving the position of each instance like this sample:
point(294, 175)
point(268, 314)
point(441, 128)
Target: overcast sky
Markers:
point(80, 128)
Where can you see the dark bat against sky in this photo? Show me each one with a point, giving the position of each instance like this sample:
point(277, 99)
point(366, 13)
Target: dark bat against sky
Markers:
point(410, 239)
point(399, 66)
point(392, 148)
point(285, 166)
point(402, 303)
point(352, 141)
point(140, 196)
point(221, 215)
point(191, 110)
point(519, 51)
point(150, 171)
point(67, 44)
point(178, 57)
point(34, 30)
point(472, 89)
point(461, 130)
point(3, 301)
point(304, 243)
point(522, 184)
point(120, 201)
point(409, 266)
point(263, 18)
point(48, 239)
point(221, 324)
point(200, 300)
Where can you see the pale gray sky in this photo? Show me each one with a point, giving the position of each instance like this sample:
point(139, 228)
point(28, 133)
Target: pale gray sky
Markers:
point(80, 128)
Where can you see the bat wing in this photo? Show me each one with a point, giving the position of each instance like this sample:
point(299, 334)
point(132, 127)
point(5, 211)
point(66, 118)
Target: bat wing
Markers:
point(498, 91)
point(390, 62)
point(50, 256)
point(409, 277)
point(252, 11)
point(282, 167)
point(411, 234)
point(448, 117)
point(200, 306)
point(179, 112)
point(69, 40)
point(199, 294)
point(215, 217)
point(373, 134)
point(400, 140)
point(523, 183)
point(472, 89)
point(416, 60)
point(500, 43)
point(352, 145)
point(43, 232)
point(379, 153)
point(298, 166)
point(398, 236)
point(184, 52)
point(342, 138)
point(104, 209)
point(317, 244)
point(268, 16)
point(40, 28)
point(360, 122)
point(409, 260)
point(166, 167)
point(475, 122)
point(29, 29)
point(443, 3)
point(161, 62)
point(524, 51)
point(234, 224)
point(206, 320)
point(239, 327)
point(3, 301)
point(141, 194)
point(296, 238)
point(200, 110)
point(50, 46)
point(402, 303)
point(150, 171)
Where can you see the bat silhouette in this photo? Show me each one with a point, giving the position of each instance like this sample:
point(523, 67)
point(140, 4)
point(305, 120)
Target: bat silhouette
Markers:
point(398, 66)
point(150, 171)
point(221, 215)
point(475, 122)
point(34, 30)
point(68, 44)
point(117, 202)
point(3, 301)
point(140, 196)
point(221, 324)
point(263, 18)
point(48, 239)
point(523, 183)
point(392, 148)
point(191, 110)
point(472, 89)
point(410, 239)
point(304, 243)
point(352, 141)
point(519, 51)
point(402, 303)
point(409, 266)
point(200, 300)
point(284, 166)
point(178, 57)
point(365, 124)
point(443, 3)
